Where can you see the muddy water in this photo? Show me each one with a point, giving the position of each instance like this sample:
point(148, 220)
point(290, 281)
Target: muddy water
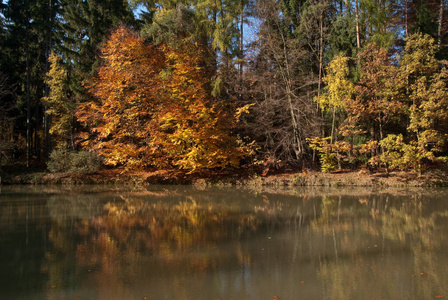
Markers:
point(163, 242)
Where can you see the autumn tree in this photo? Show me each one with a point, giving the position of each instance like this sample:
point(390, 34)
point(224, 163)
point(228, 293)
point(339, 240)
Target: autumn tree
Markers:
point(338, 91)
point(83, 27)
point(151, 108)
point(194, 132)
point(60, 105)
point(426, 84)
point(377, 100)
point(126, 98)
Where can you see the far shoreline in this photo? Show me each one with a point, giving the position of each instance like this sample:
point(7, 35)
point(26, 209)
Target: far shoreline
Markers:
point(236, 177)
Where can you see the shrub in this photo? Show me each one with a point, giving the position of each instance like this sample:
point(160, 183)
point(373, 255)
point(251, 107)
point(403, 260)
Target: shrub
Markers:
point(59, 161)
point(328, 159)
point(82, 162)
point(85, 162)
point(400, 155)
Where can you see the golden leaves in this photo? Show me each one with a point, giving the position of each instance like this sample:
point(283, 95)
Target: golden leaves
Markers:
point(152, 107)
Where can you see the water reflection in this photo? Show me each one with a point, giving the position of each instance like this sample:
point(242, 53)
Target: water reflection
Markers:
point(183, 243)
point(389, 248)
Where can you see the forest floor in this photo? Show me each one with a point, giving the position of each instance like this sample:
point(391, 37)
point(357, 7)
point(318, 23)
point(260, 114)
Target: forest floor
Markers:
point(243, 176)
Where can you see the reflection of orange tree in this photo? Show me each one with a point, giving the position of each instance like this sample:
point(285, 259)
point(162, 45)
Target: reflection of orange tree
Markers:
point(134, 226)
point(366, 267)
point(170, 241)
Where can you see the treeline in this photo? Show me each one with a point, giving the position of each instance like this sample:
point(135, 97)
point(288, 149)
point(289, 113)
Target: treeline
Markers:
point(215, 83)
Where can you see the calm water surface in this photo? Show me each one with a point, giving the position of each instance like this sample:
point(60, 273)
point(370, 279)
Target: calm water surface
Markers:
point(181, 243)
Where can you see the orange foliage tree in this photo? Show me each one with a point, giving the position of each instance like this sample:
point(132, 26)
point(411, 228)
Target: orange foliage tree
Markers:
point(377, 101)
point(151, 107)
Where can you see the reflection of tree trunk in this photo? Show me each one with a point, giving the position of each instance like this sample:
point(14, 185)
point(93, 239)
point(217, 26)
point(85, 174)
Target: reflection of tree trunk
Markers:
point(335, 245)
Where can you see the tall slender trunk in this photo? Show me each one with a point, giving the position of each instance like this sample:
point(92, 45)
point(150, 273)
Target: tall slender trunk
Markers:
point(241, 52)
point(439, 31)
point(36, 139)
point(27, 90)
point(295, 125)
point(333, 125)
point(47, 117)
point(406, 17)
point(321, 53)
point(215, 18)
point(358, 38)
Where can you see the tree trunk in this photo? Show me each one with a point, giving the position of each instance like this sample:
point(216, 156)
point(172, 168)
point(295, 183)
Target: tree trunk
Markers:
point(406, 17)
point(332, 125)
point(47, 117)
point(439, 31)
point(298, 146)
point(28, 100)
point(241, 52)
point(321, 53)
point(358, 39)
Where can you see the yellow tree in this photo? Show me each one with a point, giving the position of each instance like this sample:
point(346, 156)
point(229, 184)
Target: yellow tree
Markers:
point(195, 130)
point(61, 108)
point(339, 88)
point(427, 81)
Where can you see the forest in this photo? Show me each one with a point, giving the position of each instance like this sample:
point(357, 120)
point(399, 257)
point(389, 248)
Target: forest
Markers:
point(216, 84)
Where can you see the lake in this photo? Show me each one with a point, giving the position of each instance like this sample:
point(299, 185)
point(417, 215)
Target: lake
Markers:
point(182, 242)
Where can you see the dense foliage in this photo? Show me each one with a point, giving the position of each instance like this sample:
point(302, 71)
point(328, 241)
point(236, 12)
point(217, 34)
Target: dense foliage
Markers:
point(203, 84)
